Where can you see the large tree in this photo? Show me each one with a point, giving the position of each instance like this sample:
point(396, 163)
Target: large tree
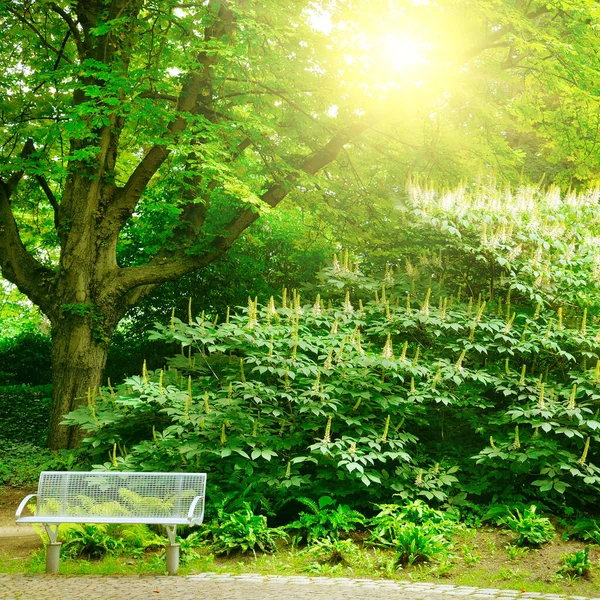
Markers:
point(179, 123)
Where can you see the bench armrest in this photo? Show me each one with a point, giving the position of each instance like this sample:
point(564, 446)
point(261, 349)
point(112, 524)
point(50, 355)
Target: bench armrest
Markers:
point(193, 507)
point(23, 504)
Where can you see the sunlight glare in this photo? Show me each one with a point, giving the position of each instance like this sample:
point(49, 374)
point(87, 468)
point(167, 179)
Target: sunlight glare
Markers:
point(403, 52)
point(320, 20)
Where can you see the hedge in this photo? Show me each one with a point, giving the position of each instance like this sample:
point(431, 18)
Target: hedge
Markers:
point(25, 413)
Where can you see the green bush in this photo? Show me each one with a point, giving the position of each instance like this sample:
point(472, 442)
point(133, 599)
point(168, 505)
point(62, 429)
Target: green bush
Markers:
point(333, 551)
point(97, 540)
point(386, 524)
point(467, 374)
point(25, 413)
point(22, 463)
point(576, 564)
point(587, 529)
point(418, 543)
point(25, 359)
point(241, 531)
point(532, 529)
point(324, 521)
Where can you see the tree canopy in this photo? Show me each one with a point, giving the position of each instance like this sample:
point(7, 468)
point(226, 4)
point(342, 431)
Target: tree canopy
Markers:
point(140, 138)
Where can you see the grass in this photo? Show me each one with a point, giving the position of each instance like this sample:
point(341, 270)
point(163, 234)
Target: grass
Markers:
point(495, 567)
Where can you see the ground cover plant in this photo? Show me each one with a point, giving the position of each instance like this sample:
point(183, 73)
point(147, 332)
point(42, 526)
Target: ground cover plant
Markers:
point(532, 529)
point(477, 557)
point(241, 531)
point(322, 520)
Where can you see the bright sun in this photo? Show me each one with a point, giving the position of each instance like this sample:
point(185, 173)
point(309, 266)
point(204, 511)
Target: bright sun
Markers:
point(402, 52)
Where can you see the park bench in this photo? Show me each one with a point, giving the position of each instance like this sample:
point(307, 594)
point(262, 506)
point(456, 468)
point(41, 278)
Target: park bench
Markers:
point(167, 499)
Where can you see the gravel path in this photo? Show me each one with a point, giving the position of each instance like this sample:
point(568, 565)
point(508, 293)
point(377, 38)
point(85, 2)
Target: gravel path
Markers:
point(213, 586)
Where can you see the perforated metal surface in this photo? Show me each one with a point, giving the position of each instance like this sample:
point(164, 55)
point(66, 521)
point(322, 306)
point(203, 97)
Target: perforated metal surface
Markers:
point(107, 497)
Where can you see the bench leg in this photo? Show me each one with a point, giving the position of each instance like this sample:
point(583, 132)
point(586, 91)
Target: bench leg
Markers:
point(172, 551)
point(172, 559)
point(52, 549)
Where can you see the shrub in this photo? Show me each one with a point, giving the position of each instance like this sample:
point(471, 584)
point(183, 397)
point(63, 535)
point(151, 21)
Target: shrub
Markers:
point(392, 517)
point(241, 531)
point(415, 531)
point(446, 398)
point(333, 551)
point(25, 359)
point(417, 543)
point(25, 413)
point(323, 522)
point(586, 529)
point(576, 564)
point(97, 540)
point(532, 529)
point(22, 463)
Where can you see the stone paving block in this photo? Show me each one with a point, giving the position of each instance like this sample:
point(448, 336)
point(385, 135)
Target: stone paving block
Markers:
point(213, 586)
point(444, 586)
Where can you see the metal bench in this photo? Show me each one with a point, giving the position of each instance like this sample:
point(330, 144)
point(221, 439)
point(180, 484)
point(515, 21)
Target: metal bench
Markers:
point(168, 499)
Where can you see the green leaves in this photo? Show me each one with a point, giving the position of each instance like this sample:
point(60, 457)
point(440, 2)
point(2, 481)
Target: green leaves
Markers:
point(324, 521)
point(241, 531)
point(427, 397)
point(532, 529)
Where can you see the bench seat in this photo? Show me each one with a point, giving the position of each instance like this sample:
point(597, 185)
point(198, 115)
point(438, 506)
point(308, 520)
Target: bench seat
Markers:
point(168, 499)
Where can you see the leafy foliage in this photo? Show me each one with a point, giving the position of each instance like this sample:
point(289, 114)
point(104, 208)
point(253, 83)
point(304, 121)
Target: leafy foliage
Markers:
point(24, 413)
point(241, 531)
point(532, 529)
point(418, 543)
point(96, 540)
point(586, 529)
point(25, 359)
point(333, 551)
point(401, 384)
point(323, 522)
point(21, 463)
point(576, 564)
point(393, 517)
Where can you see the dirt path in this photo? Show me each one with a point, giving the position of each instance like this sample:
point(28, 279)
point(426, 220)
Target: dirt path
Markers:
point(16, 540)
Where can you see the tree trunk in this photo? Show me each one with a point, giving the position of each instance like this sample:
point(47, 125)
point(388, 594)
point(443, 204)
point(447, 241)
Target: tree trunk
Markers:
point(78, 361)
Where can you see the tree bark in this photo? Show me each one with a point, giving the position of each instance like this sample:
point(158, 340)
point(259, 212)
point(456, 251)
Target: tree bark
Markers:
point(78, 361)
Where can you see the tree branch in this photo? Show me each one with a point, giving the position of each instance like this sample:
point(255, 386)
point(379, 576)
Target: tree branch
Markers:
point(31, 277)
point(493, 40)
point(72, 27)
point(40, 36)
point(14, 179)
point(157, 96)
point(51, 198)
point(162, 268)
point(129, 195)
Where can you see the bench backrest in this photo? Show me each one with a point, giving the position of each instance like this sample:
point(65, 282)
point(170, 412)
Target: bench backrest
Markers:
point(148, 497)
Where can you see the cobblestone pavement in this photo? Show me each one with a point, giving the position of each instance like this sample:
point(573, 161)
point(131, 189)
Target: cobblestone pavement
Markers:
point(213, 586)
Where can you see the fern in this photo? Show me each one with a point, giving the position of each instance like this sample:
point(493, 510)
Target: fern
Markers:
point(309, 503)
point(324, 522)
